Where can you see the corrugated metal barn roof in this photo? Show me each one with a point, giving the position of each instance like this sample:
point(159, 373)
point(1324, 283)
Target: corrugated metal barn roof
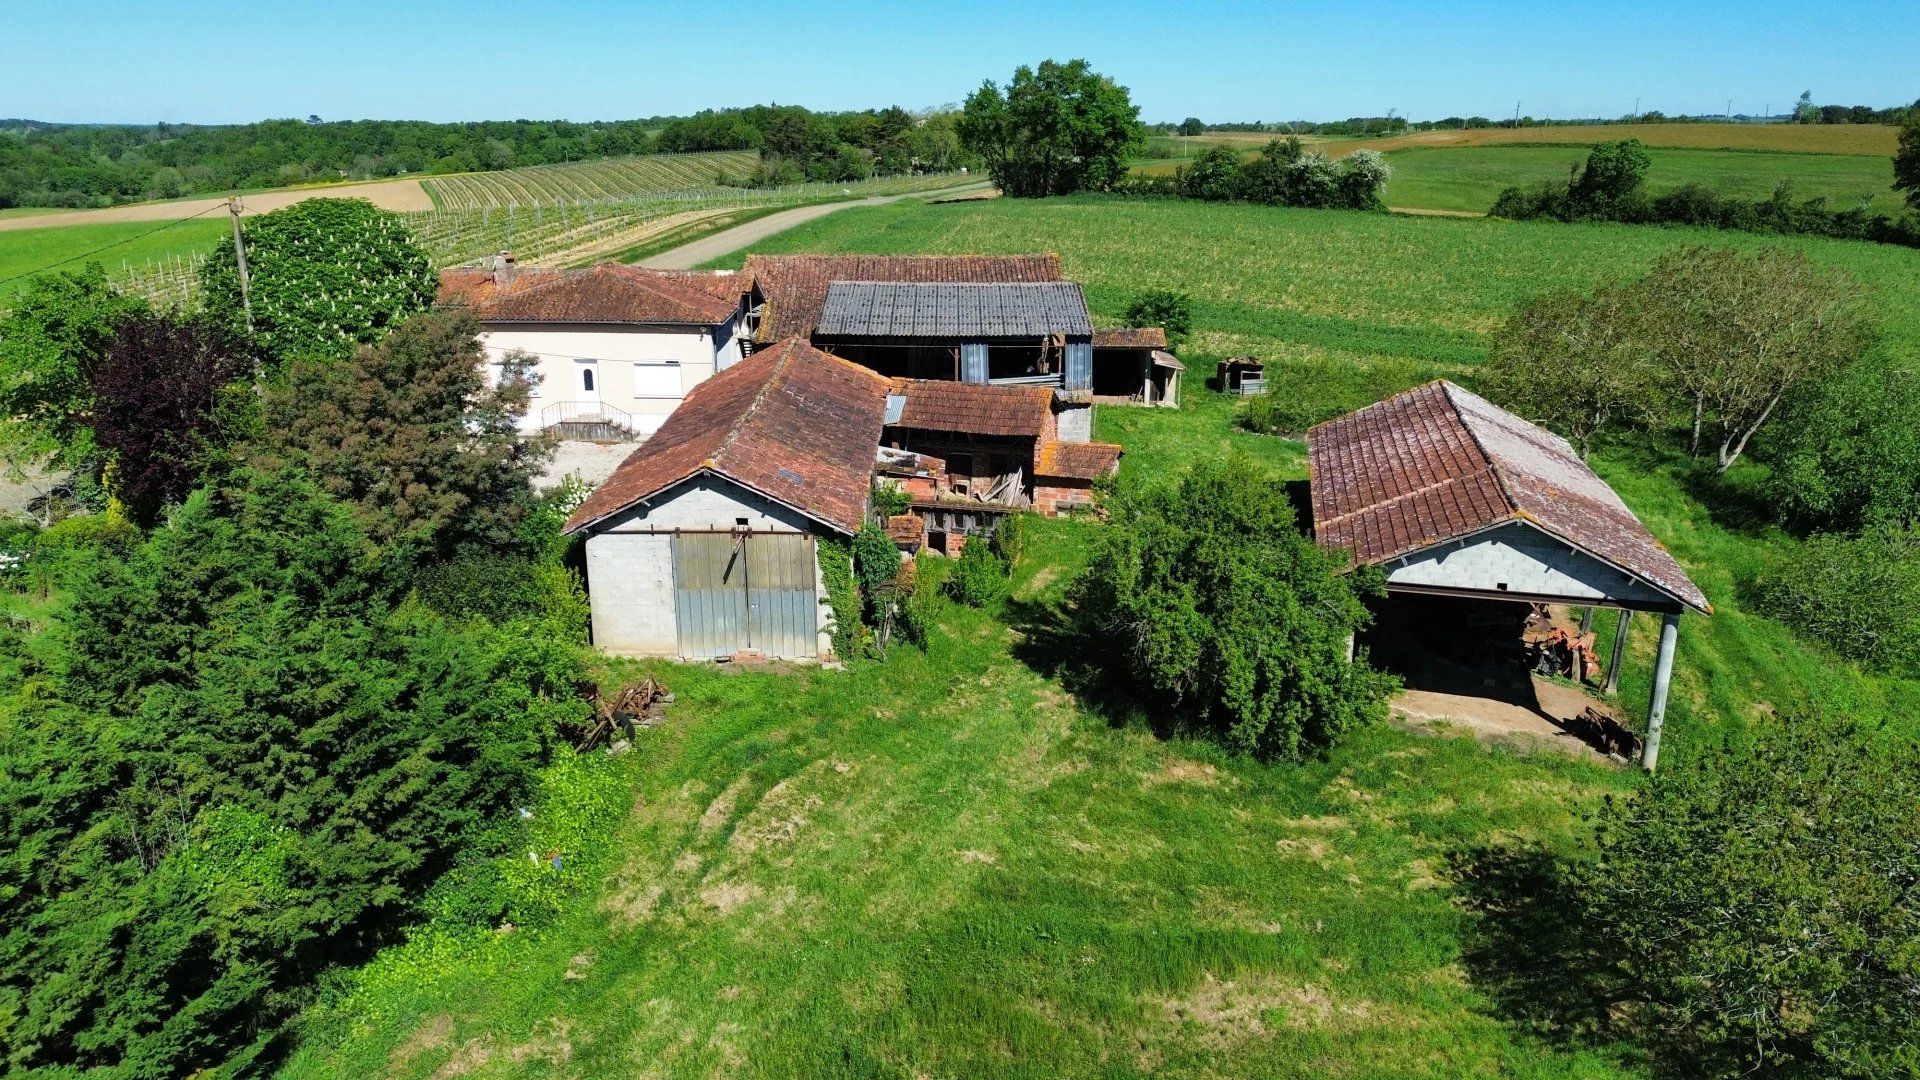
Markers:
point(897, 309)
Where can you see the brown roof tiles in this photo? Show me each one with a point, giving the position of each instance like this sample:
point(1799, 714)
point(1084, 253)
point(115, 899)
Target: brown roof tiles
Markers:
point(1142, 337)
point(977, 408)
point(790, 422)
point(1077, 461)
point(1437, 462)
point(608, 293)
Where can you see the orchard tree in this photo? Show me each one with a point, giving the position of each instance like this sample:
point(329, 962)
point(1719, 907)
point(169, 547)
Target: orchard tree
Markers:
point(1736, 332)
point(414, 432)
point(168, 397)
point(1206, 592)
point(1575, 362)
point(1060, 129)
point(1192, 126)
point(325, 275)
point(1845, 451)
point(1762, 902)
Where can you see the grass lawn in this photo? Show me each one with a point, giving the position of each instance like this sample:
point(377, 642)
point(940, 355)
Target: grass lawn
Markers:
point(969, 862)
point(26, 251)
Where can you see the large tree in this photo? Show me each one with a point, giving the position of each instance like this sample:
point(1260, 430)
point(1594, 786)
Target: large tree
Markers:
point(1207, 593)
point(325, 275)
point(168, 396)
point(418, 431)
point(1735, 332)
point(1576, 363)
point(1054, 131)
point(244, 759)
point(1906, 162)
point(1762, 901)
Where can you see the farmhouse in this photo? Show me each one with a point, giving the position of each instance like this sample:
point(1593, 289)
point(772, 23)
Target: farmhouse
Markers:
point(703, 542)
point(1454, 497)
point(996, 319)
point(616, 347)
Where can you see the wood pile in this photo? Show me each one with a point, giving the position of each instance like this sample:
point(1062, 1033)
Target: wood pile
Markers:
point(636, 705)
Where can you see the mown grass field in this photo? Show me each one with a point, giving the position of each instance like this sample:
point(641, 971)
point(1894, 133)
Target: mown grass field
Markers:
point(26, 251)
point(969, 862)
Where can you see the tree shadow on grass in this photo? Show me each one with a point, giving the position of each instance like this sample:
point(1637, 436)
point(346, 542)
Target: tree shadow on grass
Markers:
point(1056, 642)
point(1532, 951)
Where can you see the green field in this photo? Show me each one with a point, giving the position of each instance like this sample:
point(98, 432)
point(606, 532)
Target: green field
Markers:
point(1470, 178)
point(966, 863)
point(1464, 171)
point(129, 243)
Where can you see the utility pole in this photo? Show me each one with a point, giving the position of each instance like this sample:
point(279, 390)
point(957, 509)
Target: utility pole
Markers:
point(240, 258)
point(1636, 110)
point(1729, 108)
point(1516, 114)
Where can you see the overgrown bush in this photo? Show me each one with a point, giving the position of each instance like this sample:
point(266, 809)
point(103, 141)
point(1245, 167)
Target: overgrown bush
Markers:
point(1010, 539)
point(1171, 311)
point(1858, 595)
point(1845, 451)
point(1206, 592)
point(890, 500)
point(1762, 902)
point(848, 628)
point(979, 576)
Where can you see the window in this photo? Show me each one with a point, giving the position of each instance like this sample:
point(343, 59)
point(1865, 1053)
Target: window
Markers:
point(586, 379)
point(656, 379)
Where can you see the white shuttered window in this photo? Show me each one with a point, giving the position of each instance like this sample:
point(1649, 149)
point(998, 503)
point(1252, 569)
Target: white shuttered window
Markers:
point(656, 378)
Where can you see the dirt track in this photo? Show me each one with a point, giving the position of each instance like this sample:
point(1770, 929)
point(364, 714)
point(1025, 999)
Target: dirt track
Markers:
point(386, 194)
point(725, 242)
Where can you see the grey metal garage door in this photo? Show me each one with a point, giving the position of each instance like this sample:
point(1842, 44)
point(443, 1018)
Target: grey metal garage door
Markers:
point(751, 591)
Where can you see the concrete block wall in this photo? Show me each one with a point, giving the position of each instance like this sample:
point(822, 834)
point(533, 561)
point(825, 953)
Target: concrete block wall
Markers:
point(1521, 559)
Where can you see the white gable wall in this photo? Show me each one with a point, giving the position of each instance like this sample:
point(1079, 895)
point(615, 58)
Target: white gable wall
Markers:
point(630, 561)
point(1519, 558)
point(684, 355)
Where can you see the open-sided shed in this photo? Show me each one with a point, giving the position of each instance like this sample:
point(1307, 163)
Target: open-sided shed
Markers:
point(1453, 496)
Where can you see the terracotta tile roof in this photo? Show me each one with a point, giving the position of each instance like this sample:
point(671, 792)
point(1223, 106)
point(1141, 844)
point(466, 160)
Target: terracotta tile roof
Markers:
point(971, 309)
point(1438, 462)
point(473, 286)
point(795, 286)
point(1142, 337)
point(790, 422)
point(977, 408)
point(1077, 461)
point(608, 293)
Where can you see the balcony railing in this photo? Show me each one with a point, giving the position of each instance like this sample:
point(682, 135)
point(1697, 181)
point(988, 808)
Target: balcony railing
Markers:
point(592, 420)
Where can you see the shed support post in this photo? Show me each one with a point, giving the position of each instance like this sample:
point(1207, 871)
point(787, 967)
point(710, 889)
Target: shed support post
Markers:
point(1662, 680)
point(1586, 619)
point(1619, 652)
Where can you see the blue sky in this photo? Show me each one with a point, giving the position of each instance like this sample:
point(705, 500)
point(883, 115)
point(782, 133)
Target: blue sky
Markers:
point(226, 61)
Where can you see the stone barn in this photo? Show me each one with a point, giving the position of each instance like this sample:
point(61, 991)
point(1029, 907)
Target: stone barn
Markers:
point(703, 543)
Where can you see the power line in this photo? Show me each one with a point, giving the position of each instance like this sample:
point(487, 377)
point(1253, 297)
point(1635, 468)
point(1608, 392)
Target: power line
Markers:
point(115, 244)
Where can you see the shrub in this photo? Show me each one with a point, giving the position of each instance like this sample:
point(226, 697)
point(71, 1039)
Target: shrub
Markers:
point(979, 576)
point(1206, 592)
point(1169, 310)
point(479, 583)
point(1761, 900)
point(890, 500)
point(925, 598)
point(1858, 595)
point(848, 630)
point(1845, 451)
point(1010, 539)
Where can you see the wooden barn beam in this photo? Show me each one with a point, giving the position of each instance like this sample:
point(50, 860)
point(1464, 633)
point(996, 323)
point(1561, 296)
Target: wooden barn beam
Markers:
point(1619, 652)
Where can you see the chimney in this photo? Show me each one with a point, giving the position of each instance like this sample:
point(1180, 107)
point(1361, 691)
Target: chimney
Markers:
point(503, 269)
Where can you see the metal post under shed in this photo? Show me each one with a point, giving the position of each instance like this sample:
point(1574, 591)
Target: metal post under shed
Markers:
point(1662, 679)
point(1619, 652)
